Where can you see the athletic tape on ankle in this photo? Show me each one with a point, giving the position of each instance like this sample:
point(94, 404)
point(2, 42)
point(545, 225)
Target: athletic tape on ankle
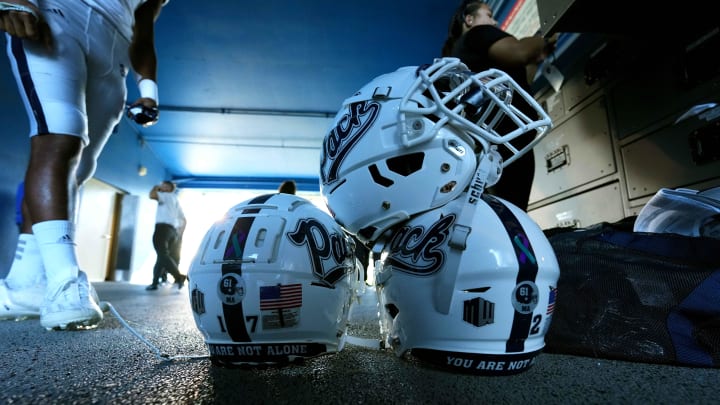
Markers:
point(148, 89)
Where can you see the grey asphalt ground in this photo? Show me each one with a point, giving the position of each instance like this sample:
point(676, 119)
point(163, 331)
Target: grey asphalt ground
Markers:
point(110, 365)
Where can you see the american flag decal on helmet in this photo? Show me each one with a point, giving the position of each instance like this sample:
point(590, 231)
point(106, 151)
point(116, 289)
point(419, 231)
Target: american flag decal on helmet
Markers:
point(551, 300)
point(280, 296)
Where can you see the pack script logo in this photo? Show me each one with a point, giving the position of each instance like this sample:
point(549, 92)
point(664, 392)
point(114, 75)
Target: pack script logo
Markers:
point(350, 128)
point(327, 250)
point(416, 250)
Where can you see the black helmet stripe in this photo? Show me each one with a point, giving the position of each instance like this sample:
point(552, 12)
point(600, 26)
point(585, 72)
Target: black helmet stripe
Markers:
point(527, 271)
point(234, 314)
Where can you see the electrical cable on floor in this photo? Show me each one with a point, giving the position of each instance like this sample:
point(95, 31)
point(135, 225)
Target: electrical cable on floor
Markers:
point(106, 306)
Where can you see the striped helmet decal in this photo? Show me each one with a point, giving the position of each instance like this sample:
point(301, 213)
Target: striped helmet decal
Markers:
point(525, 295)
point(233, 314)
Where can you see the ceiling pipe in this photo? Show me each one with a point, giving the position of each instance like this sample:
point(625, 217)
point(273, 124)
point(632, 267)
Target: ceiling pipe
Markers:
point(245, 182)
point(249, 111)
point(311, 144)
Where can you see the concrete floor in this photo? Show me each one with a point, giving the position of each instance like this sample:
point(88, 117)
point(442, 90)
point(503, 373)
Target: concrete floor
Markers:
point(110, 365)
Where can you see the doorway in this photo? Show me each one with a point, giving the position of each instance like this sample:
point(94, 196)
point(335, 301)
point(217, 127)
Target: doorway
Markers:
point(96, 230)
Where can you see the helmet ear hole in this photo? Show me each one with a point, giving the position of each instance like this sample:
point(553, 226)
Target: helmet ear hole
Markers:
point(406, 165)
point(379, 178)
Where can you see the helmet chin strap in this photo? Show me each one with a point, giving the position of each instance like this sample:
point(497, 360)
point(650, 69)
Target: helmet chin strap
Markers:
point(487, 174)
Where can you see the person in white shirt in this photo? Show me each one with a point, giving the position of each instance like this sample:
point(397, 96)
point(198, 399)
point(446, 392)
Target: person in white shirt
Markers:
point(70, 60)
point(169, 225)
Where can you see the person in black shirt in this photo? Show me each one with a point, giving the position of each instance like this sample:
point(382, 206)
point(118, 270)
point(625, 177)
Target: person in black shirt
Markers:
point(474, 38)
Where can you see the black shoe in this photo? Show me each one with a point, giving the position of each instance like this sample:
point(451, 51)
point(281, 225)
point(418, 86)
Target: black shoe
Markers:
point(151, 287)
point(181, 281)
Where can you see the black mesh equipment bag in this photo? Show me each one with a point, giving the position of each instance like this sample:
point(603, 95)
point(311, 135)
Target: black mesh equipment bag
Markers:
point(644, 297)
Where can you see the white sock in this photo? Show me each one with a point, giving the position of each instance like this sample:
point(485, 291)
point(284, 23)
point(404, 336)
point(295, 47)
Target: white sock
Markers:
point(56, 240)
point(27, 268)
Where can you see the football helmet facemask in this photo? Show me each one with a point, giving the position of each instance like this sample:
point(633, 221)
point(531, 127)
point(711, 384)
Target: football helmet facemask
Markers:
point(273, 282)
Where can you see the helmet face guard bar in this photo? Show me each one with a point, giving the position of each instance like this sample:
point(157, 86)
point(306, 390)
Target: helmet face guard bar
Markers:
point(480, 104)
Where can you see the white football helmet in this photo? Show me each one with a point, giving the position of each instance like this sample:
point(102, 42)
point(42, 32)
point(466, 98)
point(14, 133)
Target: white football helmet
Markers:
point(272, 282)
point(484, 309)
point(682, 211)
point(409, 141)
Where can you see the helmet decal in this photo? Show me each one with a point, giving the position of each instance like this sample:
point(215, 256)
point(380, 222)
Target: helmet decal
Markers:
point(197, 301)
point(231, 289)
point(417, 251)
point(478, 311)
point(233, 313)
point(280, 296)
point(522, 245)
point(525, 295)
point(328, 251)
point(280, 305)
point(241, 230)
point(551, 300)
point(233, 250)
point(349, 129)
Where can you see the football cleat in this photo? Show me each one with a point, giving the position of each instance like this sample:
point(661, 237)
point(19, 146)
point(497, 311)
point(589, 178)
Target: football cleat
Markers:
point(71, 306)
point(20, 304)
